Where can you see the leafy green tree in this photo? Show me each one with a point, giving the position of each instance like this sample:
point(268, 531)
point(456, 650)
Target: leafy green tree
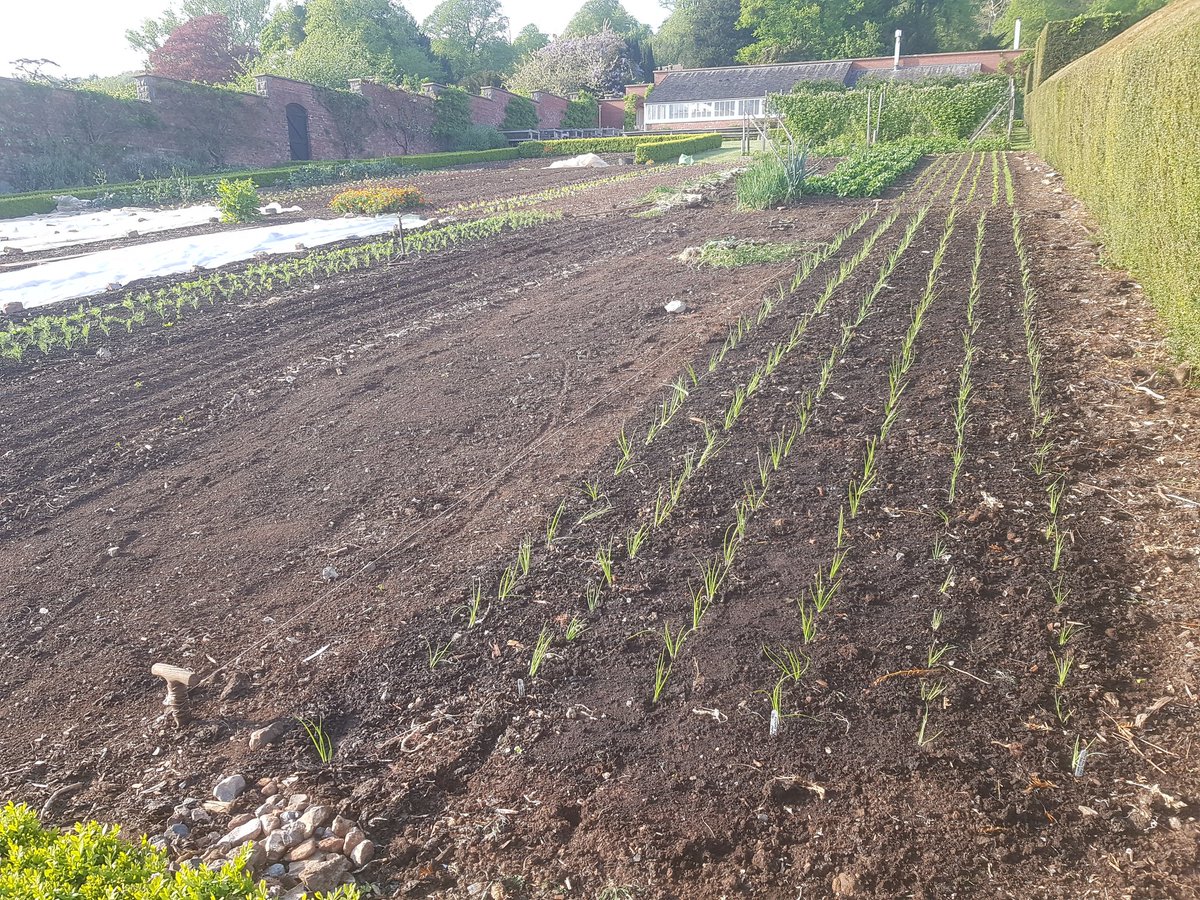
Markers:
point(469, 35)
point(358, 39)
point(284, 31)
point(1034, 14)
point(595, 15)
point(596, 63)
point(700, 33)
point(528, 39)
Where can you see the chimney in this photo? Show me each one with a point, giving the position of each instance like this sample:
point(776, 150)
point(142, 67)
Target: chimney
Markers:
point(896, 58)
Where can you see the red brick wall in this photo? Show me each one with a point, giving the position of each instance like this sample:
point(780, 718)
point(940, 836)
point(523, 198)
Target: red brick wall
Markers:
point(612, 114)
point(551, 109)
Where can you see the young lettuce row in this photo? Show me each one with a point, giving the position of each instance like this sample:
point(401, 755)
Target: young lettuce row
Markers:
point(167, 305)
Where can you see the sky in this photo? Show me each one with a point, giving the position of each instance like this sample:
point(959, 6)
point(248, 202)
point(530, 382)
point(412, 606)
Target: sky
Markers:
point(87, 37)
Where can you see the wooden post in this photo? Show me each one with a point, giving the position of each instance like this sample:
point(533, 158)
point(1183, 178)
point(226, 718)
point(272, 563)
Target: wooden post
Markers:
point(179, 681)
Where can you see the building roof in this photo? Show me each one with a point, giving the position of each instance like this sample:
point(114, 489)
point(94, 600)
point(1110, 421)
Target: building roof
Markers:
point(744, 82)
point(917, 73)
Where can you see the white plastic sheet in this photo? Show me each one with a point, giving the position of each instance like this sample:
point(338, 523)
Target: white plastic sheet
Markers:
point(93, 273)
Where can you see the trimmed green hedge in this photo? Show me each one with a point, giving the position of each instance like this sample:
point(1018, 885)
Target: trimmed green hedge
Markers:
point(576, 146)
point(1061, 43)
point(1121, 125)
point(668, 150)
point(171, 190)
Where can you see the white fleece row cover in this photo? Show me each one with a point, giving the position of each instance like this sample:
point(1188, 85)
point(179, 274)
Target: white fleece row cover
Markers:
point(46, 232)
point(93, 273)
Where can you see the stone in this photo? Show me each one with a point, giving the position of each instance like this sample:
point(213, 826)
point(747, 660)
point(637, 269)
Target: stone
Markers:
point(326, 874)
point(275, 870)
point(270, 822)
point(316, 816)
point(177, 832)
point(236, 685)
point(294, 833)
point(845, 884)
point(298, 802)
point(268, 806)
point(12, 307)
point(261, 737)
point(330, 573)
point(303, 850)
point(353, 838)
point(341, 826)
point(275, 845)
point(256, 858)
point(241, 819)
point(693, 200)
point(330, 845)
point(676, 306)
point(246, 832)
point(1182, 374)
point(229, 789)
point(362, 853)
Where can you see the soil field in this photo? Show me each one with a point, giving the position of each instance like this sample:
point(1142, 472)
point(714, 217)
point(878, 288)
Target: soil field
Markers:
point(873, 574)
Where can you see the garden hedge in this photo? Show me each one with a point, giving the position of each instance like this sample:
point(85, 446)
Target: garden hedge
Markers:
point(576, 146)
point(169, 190)
point(1121, 125)
point(1061, 43)
point(668, 150)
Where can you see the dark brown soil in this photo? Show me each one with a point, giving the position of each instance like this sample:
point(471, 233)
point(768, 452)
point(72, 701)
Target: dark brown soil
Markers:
point(178, 500)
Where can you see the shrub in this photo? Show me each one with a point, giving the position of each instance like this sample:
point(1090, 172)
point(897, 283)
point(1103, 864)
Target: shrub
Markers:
point(92, 861)
point(631, 108)
point(478, 138)
point(1120, 124)
point(531, 149)
point(670, 150)
point(238, 200)
point(375, 201)
point(519, 115)
point(582, 113)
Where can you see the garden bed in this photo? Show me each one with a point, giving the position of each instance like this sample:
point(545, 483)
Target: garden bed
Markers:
point(413, 423)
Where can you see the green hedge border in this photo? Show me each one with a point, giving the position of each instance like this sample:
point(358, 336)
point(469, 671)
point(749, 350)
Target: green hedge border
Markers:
point(1061, 43)
point(665, 151)
point(41, 202)
point(1120, 124)
point(634, 145)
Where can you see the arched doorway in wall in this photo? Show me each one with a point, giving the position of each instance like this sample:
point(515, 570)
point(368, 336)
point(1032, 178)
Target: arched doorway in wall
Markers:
point(297, 124)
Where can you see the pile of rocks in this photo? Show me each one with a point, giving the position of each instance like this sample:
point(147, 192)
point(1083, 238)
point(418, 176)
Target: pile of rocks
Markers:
point(297, 846)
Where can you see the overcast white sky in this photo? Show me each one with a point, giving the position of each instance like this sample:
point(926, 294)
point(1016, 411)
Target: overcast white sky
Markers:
point(87, 37)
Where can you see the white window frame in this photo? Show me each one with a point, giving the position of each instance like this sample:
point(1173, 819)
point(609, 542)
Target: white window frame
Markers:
point(703, 110)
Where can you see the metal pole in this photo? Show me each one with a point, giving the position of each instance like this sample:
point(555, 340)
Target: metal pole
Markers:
point(868, 117)
point(896, 59)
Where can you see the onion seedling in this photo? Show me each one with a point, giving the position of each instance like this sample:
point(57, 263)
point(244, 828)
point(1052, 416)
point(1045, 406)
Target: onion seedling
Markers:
point(592, 596)
point(524, 554)
point(1059, 592)
point(604, 561)
point(711, 575)
point(1059, 542)
point(808, 620)
point(729, 546)
point(931, 690)
point(436, 655)
point(575, 628)
point(700, 604)
point(923, 738)
point(1061, 710)
point(934, 657)
point(673, 643)
point(1062, 665)
point(472, 607)
point(508, 581)
point(947, 583)
point(626, 448)
point(1066, 632)
point(936, 622)
point(540, 650)
point(662, 672)
point(320, 738)
point(790, 663)
point(591, 487)
point(634, 541)
point(552, 524)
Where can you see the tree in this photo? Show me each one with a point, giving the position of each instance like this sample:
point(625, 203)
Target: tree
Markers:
point(597, 15)
point(786, 30)
point(1034, 14)
point(246, 19)
point(597, 64)
point(528, 39)
point(285, 30)
point(200, 49)
point(469, 35)
point(358, 39)
point(701, 33)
